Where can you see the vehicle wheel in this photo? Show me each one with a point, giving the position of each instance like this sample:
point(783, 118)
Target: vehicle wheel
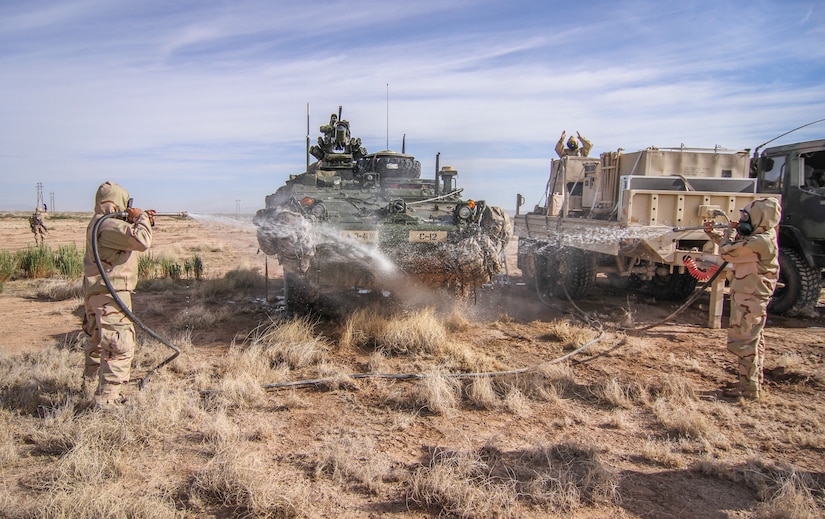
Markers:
point(527, 262)
point(800, 284)
point(299, 295)
point(671, 287)
point(570, 270)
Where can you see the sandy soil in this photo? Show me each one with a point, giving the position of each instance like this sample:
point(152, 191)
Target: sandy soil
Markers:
point(785, 427)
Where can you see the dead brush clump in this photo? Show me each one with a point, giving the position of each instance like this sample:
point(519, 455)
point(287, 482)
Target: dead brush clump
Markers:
point(362, 328)
point(661, 453)
point(292, 342)
point(218, 290)
point(418, 332)
point(613, 392)
point(349, 460)
point(438, 393)
point(90, 501)
point(547, 382)
point(33, 381)
point(683, 421)
point(568, 476)
point(199, 317)
point(460, 484)
point(481, 394)
point(8, 445)
point(237, 481)
point(60, 289)
point(784, 492)
point(494, 483)
point(207, 247)
point(570, 335)
point(674, 388)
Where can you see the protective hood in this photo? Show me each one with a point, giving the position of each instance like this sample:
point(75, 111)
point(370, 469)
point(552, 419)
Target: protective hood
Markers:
point(765, 213)
point(111, 192)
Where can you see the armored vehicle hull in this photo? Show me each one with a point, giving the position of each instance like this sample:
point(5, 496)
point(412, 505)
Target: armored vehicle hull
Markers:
point(355, 222)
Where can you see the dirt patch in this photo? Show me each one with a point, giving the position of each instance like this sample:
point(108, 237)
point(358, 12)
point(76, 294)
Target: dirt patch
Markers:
point(647, 407)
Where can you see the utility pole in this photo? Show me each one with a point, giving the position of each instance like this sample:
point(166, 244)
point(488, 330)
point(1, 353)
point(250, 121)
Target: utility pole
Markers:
point(237, 206)
point(51, 200)
point(40, 201)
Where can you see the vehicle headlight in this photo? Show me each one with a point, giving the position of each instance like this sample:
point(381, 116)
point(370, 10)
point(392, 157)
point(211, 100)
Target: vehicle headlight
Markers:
point(318, 211)
point(464, 212)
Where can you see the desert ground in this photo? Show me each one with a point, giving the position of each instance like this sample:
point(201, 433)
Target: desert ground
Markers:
point(438, 408)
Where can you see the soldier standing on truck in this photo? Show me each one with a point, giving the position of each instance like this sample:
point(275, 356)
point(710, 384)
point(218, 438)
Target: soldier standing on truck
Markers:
point(751, 249)
point(38, 228)
point(580, 148)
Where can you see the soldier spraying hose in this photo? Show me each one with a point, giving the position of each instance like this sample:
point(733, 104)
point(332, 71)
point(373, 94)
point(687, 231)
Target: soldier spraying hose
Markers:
point(115, 232)
point(751, 248)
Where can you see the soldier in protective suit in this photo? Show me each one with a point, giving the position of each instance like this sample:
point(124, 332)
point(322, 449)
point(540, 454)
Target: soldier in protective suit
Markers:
point(573, 146)
point(111, 344)
point(751, 248)
point(38, 227)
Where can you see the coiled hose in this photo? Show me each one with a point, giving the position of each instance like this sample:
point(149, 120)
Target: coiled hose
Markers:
point(126, 310)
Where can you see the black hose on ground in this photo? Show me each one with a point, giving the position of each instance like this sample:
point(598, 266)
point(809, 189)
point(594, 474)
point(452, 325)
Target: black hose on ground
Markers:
point(122, 305)
point(686, 304)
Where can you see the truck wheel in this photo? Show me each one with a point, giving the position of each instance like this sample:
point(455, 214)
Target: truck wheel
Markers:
point(570, 269)
point(801, 284)
point(672, 287)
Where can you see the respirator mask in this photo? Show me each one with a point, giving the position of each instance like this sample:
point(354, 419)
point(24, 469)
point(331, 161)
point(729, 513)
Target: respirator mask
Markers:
point(745, 227)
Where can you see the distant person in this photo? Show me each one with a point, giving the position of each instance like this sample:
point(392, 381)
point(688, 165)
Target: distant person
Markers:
point(580, 148)
point(111, 344)
point(751, 248)
point(38, 227)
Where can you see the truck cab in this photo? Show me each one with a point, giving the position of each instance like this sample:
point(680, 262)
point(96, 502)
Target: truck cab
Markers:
point(797, 172)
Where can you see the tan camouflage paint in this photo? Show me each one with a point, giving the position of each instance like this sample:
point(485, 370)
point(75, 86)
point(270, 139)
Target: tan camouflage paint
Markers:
point(755, 262)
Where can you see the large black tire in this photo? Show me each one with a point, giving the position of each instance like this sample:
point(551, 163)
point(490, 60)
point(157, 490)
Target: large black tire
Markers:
point(567, 270)
point(800, 284)
point(672, 287)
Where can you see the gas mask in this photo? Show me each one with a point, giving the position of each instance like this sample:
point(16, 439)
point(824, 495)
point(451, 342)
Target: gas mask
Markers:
point(745, 227)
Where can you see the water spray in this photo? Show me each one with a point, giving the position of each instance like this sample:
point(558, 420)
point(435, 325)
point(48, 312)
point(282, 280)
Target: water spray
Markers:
point(124, 215)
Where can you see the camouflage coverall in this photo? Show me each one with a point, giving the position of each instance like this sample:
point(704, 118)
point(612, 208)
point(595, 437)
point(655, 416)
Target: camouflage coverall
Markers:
point(38, 228)
point(110, 347)
point(755, 261)
point(573, 147)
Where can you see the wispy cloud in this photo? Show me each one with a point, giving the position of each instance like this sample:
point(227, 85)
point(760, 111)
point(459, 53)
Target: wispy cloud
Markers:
point(212, 95)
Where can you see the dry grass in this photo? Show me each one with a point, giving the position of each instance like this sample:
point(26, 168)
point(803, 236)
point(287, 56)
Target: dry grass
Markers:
point(60, 289)
point(784, 492)
point(419, 332)
point(199, 316)
point(240, 483)
point(682, 421)
point(205, 439)
point(494, 483)
point(438, 393)
point(571, 335)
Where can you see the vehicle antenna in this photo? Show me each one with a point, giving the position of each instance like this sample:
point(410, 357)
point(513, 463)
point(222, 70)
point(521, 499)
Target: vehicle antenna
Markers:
point(388, 116)
point(307, 138)
point(756, 151)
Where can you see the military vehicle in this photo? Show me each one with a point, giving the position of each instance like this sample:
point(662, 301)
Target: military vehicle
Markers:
point(356, 223)
point(637, 217)
point(797, 173)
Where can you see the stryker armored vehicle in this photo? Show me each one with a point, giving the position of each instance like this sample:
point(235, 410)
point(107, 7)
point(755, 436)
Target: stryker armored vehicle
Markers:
point(354, 223)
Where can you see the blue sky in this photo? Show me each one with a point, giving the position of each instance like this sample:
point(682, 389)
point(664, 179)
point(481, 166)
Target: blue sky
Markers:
point(193, 105)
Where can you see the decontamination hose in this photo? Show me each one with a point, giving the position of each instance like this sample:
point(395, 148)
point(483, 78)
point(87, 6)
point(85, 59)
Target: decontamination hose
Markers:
point(123, 306)
point(686, 304)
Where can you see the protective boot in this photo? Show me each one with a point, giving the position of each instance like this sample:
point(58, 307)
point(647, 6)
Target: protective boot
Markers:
point(750, 377)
